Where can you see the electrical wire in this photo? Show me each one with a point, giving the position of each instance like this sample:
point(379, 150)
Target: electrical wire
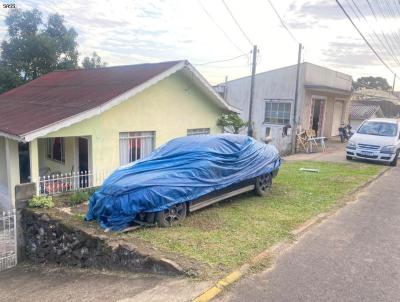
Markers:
point(221, 61)
point(237, 23)
point(363, 37)
point(220, 28)
point(282, 22)
point(387, 47)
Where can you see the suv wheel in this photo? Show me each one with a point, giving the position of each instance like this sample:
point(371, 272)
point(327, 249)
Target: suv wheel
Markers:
point(173, 215)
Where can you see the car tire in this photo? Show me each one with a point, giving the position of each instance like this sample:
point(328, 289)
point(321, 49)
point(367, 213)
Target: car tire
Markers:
point(393, 163)
point(349, 157)
point(263, 184)
point(172, 215)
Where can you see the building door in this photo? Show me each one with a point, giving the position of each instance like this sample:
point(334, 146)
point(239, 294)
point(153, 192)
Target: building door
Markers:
point(337, 117)
point(83, 162)
point(83, 154)
point(24, 163)
point(317, 115)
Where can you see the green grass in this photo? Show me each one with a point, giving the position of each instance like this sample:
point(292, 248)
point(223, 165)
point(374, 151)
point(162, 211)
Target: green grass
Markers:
point(228, 234)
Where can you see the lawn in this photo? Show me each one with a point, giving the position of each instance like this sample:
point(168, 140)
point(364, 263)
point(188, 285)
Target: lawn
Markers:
point(228, 234)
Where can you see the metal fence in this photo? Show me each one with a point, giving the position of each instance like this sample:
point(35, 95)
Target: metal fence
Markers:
point(8, 239)
point(68, 182)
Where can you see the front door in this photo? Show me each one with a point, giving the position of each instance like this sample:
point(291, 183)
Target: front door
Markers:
point(317, 115)
point(24, 162)
point(337, 117)
point(83, 161)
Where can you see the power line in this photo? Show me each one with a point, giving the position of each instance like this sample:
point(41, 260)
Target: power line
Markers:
point(220, 61)
point(365, 40)
point(220, 28)
point(282, 22)
point(387, 47)
point(237, 23)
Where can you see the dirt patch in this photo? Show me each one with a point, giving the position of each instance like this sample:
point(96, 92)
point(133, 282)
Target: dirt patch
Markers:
point(60, 236)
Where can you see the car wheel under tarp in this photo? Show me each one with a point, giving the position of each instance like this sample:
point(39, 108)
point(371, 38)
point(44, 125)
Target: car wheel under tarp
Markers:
point(263, 184)
point(173, 215)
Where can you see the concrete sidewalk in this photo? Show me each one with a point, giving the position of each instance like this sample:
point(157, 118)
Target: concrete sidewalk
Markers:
point(32, 283)
point(352, 256)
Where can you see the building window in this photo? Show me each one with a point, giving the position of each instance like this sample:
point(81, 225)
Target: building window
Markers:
point(56, 149)
point(135, 145)
point(277, 113)
point(198, 131)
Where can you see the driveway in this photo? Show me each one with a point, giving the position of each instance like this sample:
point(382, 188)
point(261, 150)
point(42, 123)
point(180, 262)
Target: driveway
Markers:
point(335, 152)
point(352, 256)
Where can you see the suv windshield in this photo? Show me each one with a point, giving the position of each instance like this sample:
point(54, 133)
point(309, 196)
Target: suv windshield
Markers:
point(378, 128)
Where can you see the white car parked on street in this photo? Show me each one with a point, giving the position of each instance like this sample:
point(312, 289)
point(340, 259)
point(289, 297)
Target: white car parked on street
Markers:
point(377, 140)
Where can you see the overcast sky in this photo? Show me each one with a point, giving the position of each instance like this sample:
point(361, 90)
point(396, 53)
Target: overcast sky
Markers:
point(133, 31)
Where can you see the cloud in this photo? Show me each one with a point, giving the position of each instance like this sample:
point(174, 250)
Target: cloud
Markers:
point(330, 10)
point(302, 24)
point(349, 54)
point(320, 10)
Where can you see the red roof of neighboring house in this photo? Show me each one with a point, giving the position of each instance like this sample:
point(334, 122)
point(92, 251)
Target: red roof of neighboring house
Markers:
point(62, 94)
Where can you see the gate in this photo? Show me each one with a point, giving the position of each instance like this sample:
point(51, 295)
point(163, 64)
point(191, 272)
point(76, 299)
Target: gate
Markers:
point(8, 239)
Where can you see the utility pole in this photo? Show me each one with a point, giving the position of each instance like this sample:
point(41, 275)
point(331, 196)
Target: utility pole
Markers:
point(394, 83)
point(226, 88)
point(253, 75)
point(296, 94)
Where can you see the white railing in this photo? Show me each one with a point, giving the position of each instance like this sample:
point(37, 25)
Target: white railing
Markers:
point(67, 182)
point(8, 239)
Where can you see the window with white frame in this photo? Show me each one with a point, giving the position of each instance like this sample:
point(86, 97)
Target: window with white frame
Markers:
point(277, 112)
point(198, 131)
point(135, 145)
point(56, 149)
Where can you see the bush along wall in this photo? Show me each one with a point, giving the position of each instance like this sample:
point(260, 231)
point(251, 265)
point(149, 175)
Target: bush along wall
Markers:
point(49, 240)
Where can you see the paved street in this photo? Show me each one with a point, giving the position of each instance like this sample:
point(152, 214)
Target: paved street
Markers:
point(352, 256)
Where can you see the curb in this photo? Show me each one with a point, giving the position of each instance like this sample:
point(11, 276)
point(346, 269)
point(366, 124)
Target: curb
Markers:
point(234, 276)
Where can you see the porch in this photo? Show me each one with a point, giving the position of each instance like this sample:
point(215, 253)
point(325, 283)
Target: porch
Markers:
point(60, 164)
point(71, 163)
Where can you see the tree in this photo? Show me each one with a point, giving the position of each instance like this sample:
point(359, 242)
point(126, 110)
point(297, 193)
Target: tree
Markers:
point(372, 82)
point(231, 123)
point(33, 48)
point(93, 62)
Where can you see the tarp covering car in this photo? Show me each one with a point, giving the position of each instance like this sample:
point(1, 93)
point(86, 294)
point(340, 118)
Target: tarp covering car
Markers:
point(181, 170)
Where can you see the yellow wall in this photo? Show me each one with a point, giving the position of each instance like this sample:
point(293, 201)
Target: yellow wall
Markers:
point(169, 108)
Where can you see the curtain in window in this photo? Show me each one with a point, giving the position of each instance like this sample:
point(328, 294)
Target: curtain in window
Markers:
point(135, 145)
point(124, 148)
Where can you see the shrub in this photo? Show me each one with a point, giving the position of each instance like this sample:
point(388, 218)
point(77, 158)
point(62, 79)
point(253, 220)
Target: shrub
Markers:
point(41, 202)
point(79, 197)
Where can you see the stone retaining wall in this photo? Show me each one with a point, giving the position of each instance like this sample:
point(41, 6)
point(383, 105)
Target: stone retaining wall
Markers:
point(48, 240)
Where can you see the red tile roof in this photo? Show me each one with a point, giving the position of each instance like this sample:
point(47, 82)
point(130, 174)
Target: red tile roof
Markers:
point(62, 94)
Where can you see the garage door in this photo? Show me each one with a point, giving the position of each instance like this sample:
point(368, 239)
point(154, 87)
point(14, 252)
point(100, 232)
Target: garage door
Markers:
point(337, 117)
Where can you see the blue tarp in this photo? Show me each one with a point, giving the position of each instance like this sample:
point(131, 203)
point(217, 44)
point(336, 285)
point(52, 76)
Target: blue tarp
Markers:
point(181, 170)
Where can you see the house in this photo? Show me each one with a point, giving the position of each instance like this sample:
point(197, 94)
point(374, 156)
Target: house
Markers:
point(360, 112)
point(390, 107)
point(70, 129)
point(323, 101)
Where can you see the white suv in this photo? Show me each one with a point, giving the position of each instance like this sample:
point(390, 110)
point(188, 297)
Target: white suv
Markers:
point(376, 139)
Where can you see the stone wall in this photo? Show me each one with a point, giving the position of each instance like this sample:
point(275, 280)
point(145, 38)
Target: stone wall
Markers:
point(49, 240)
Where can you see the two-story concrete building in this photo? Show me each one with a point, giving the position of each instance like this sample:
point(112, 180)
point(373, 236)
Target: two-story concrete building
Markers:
point(323, 101)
